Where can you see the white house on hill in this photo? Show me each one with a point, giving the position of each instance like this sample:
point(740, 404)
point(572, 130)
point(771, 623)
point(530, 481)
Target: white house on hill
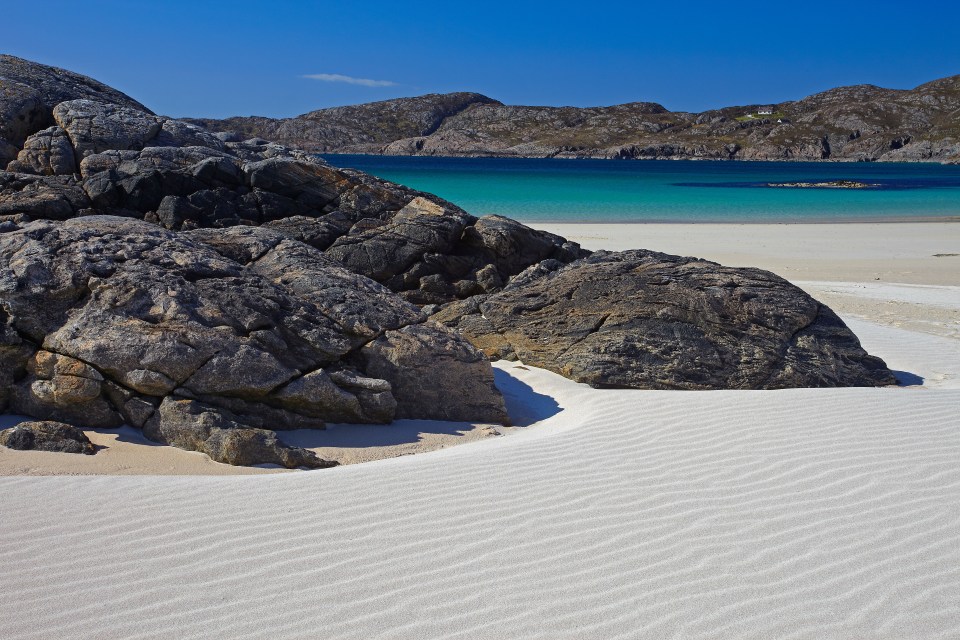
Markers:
point(765, 111)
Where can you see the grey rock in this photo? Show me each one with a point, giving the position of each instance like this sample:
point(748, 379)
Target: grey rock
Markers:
point(47, 197)
point(15, 352)
point(47, 436)
point(59, 387)
point(219, 171)
point(54, 85)
point(309, 184)
point(245, 321)
point(193, 426)
point(229, 136)
point(97, 126)
point(647, 320)
point(47, 152)
point(29, 92)
point(319, 233)
point(340, 397)
point(430, 365)
point(8, 152)
point(21, 111)
point(177, 133)
point(427, 249)
point(242, 287)
point(350, 126)
point(513, 246)
point(419, 228)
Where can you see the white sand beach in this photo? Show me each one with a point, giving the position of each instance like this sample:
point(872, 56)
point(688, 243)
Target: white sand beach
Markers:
point(807, 513)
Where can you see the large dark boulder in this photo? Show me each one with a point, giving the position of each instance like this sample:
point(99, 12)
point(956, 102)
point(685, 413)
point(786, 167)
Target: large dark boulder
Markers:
point(647, 320)
point(47, 436)
point(385, 250)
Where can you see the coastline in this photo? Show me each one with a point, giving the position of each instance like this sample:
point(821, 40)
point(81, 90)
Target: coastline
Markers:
point(621, 159)
point(826, 220)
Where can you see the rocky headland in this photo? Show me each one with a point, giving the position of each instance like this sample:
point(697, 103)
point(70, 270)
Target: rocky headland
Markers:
point(213, 291)
point(857, 123)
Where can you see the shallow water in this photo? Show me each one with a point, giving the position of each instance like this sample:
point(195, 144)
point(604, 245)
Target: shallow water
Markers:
point(551, 190)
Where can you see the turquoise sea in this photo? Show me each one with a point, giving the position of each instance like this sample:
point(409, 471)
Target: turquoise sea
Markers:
point(551, 190)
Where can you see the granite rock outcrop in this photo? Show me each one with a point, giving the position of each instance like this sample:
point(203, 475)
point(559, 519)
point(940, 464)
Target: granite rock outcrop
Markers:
point(649, 320)
point(215, 292)
point(114, 317)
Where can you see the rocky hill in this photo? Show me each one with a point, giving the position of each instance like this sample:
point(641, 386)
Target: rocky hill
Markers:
point(215, 292)
point(858, 123)
point(354, 127)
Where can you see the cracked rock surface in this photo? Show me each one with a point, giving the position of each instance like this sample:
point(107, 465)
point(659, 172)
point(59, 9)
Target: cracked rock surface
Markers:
point(649, 320)
point(110, 320)
point(47, 436)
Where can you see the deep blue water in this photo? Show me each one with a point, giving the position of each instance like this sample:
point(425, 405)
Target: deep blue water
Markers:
point(550, 190)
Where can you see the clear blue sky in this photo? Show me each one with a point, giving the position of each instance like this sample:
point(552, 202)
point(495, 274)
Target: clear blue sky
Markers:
point(211, 58)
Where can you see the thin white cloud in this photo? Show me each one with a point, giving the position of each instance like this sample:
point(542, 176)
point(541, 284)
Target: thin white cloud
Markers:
point(363, 82)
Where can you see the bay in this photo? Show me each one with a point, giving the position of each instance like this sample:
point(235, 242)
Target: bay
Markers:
point(585, 190)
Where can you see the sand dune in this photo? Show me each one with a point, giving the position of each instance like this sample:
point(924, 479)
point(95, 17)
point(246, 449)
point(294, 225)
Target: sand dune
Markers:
point(800, 513)
point(808, 513)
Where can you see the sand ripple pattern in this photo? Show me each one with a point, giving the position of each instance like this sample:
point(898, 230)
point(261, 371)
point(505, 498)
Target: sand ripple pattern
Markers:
point(629, 514)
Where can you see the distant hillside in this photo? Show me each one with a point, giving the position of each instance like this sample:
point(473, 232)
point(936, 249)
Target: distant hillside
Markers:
point(863, 123)
point(366, 126)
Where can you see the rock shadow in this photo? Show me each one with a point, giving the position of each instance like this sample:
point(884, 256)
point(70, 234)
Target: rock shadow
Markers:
point(358, 436)
point(8, 420)
point(907, 379)
point(524, 405)
point(123, 433)
point(127, 434)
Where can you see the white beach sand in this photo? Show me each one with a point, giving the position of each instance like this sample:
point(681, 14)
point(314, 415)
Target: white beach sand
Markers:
point(809, 513)
point(904, 252)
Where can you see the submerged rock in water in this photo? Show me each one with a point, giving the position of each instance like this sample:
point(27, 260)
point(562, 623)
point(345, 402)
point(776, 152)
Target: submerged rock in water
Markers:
point(829, 184)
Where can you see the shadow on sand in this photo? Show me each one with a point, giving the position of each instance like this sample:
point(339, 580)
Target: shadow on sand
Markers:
point(524, 405)
point(907, 379)
point(123, 434)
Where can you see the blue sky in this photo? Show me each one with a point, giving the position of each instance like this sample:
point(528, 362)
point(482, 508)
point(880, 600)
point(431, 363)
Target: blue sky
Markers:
point(209, 58)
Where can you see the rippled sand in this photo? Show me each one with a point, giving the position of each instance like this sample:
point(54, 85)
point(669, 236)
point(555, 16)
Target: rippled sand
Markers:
point(809, 513)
